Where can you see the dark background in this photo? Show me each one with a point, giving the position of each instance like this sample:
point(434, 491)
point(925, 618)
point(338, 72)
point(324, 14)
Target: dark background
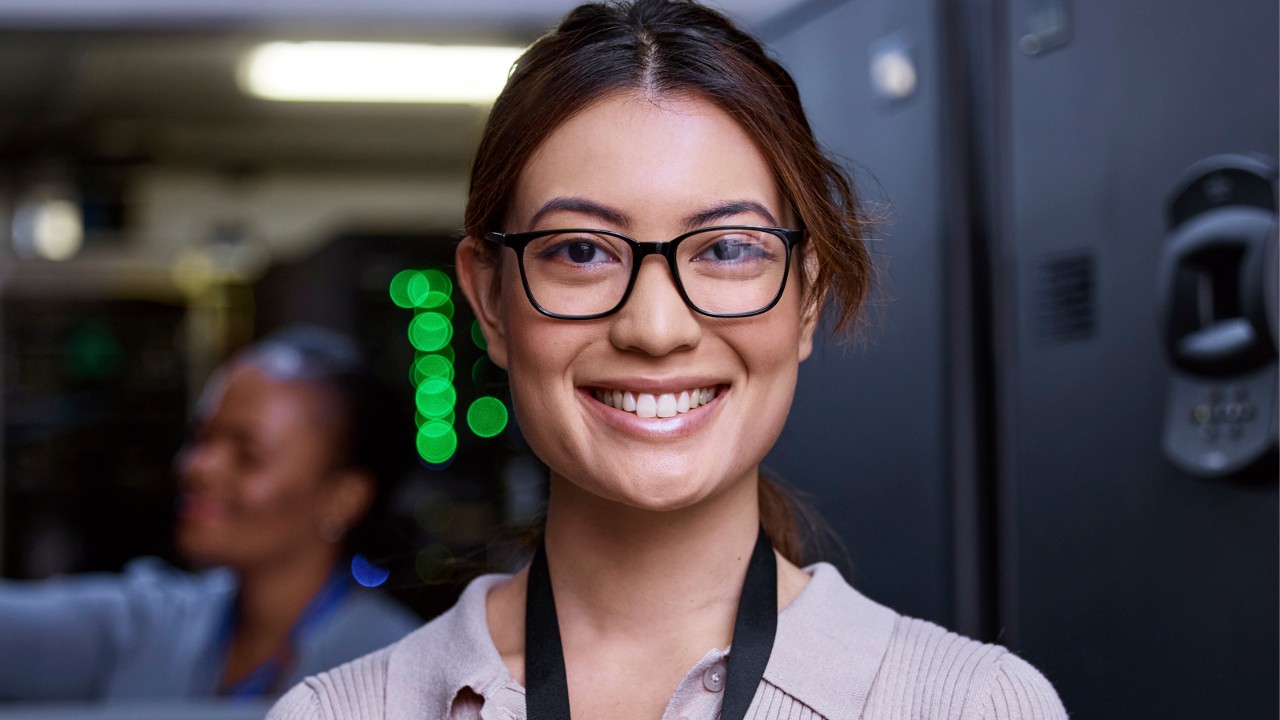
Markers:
point(988, 449)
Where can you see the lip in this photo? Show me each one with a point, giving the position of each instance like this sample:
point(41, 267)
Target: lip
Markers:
point(198, 509)
point(680, 426)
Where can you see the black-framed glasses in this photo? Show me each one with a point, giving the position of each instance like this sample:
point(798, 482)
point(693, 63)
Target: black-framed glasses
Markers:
point(725, 271)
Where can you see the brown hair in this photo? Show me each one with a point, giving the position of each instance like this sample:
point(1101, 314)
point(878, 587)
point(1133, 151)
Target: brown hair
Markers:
point(672, 47)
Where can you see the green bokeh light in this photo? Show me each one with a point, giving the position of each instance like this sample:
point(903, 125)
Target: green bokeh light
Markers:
point(93, 351)
point(477, 335)
point(419, 419)
point(433, 563)
point(399, 287)
point(435, 397)
point(438, 281)
point(429, 366)
point(487, 416)
point(433, 299)
point(437, 441)
point(445, 308)
point(436, 514)
point(430, 331)
point(482, 371)
point(429, 289)
point(417, 289)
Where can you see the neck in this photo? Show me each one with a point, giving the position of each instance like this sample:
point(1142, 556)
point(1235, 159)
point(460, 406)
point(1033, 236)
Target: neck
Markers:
point(636, 588)
point(273, 595)
point(618, 571)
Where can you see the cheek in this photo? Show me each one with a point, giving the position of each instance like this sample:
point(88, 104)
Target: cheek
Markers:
point(275, 498)
point(540, 360)
point(540, 350)
point(772, 360)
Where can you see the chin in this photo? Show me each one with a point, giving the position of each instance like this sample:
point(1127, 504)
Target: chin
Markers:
point(662, 493)
point(197, 547)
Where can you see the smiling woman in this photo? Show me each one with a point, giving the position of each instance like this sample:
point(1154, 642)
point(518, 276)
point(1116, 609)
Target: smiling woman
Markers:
point(652, 232)
point(285, 463)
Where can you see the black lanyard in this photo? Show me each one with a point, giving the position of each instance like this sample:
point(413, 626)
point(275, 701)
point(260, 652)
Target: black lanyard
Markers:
point(547, 690)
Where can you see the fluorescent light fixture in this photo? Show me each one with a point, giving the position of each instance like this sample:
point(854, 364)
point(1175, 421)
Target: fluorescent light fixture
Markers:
point(48, 228)
point(376, 72)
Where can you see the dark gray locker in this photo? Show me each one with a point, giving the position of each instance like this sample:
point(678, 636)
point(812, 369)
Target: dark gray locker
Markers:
point(1141, 591)
point(868, 438)
point(993, 455)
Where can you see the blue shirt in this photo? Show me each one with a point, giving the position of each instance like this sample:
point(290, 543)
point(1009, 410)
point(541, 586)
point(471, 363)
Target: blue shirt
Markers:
point(156, 632)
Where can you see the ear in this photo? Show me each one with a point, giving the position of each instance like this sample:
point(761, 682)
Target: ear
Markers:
point(350, 497)
point(810, 312)
point(481, 282)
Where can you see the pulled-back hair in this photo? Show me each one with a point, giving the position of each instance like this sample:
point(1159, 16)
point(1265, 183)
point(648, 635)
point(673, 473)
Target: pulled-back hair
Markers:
point(671, 48)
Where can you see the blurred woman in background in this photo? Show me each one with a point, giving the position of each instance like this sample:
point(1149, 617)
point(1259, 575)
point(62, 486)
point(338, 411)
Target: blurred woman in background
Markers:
point(289, 455)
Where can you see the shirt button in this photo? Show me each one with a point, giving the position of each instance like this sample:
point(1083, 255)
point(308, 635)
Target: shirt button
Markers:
point(713, 678)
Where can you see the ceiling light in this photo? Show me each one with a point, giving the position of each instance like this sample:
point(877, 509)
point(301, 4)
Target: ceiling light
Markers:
point(376, 72)
point(49, 228)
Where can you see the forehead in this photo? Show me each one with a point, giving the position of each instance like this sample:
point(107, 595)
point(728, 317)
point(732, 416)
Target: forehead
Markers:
point(656, 159)
point(253, 401)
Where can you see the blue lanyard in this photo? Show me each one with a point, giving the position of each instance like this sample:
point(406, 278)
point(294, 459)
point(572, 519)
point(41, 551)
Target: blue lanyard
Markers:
point(267, 677)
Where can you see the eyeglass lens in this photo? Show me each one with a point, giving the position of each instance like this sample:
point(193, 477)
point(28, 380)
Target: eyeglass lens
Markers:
point(723, 271)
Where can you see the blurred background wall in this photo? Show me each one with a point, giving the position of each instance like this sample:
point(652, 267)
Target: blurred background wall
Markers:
point(1023, 445)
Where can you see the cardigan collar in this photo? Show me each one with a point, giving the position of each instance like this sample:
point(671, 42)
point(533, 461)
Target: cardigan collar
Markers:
point(830, 644)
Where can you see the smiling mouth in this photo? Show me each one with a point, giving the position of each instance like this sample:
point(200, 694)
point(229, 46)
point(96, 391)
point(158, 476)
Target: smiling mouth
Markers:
point(660, 405)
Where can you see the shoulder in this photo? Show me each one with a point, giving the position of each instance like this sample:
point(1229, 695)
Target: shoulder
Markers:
point(356, 690)
point(363, 623)
point(928, 671)
point(847, 656)
point(376, 617)
point(416, 676)
point(153, 579)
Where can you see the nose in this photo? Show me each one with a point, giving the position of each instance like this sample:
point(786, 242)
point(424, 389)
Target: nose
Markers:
point(195, 464)
point(655, 320)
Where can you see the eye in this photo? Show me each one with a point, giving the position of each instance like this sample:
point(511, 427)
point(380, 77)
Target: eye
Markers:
point(583, 252)
point(247, 455)
point(575, 250)
point(734, 249)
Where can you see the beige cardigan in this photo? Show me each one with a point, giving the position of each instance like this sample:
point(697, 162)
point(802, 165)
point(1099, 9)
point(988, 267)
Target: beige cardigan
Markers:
point(837, 655)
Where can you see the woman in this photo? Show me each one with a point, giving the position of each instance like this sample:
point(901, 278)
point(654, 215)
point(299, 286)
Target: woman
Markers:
point(284, 464)
point(652, 376)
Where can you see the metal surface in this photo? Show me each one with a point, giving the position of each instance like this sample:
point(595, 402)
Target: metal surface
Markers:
point(1141, 592)
point(868, 437)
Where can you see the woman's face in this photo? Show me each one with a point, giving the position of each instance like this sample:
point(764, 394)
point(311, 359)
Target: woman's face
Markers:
point(651, 169)
point(258, 482)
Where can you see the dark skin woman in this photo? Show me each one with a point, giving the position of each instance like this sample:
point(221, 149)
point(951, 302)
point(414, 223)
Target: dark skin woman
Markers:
point(286, 460)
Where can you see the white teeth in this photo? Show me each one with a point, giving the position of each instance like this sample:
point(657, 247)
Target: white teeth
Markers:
point(646, 405)
point(649, 405)
point(666, 405)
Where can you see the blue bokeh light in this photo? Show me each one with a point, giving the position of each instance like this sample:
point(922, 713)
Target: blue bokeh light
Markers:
point(368, 574)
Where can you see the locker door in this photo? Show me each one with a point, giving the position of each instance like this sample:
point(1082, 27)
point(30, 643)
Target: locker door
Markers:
point(868, 437)
point(1141, 591)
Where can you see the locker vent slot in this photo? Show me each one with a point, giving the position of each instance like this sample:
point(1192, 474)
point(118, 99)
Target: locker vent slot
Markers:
point(1064, 303)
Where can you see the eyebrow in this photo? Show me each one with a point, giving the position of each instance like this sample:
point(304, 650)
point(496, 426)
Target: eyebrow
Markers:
point(729, 209)
point(583, 206)
point(618, 218)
